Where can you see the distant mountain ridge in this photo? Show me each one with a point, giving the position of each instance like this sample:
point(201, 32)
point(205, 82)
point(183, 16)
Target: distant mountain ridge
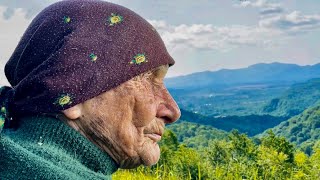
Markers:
point(261, 73)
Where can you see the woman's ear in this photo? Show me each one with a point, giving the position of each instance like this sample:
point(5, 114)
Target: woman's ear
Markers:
point(74, 112)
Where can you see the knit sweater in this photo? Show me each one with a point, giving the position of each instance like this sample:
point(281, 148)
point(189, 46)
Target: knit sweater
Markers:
point(46, 148)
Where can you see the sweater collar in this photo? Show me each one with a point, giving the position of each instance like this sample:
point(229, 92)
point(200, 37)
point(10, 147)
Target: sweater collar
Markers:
point(46, 129)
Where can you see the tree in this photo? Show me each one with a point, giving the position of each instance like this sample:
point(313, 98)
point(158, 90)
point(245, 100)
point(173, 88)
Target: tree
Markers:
point(280, 144)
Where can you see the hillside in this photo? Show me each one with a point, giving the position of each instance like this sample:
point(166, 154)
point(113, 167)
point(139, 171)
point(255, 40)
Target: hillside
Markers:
point(303, 129)
point(295, 100)
point(251, 124)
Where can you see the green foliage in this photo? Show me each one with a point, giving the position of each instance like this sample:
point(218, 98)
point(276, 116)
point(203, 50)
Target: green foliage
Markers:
point(233, 158)
point(218, 152)
point(195, 135)
point(170, 140)
point(241, 144)
point(302, 130)
point(279, 144)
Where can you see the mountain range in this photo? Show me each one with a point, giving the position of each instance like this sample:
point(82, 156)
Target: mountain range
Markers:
point(262, 73)
point(282, 97)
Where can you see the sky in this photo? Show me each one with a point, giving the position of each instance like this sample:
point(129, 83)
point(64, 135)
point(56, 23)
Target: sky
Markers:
point(204, 35)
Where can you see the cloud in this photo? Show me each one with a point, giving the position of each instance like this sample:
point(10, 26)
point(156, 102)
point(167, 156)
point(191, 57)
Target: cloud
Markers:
point(258, 3)
point(292, 22)
point(274, 9)
point(265, 7)
point(273, 16)
point(209, 37)
point(30, 7)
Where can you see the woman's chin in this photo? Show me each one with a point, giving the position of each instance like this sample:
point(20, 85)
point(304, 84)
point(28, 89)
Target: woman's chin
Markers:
point(148, 156)
point(151, 154)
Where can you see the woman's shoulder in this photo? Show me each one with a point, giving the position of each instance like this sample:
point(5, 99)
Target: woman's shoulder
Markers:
point(17, 162)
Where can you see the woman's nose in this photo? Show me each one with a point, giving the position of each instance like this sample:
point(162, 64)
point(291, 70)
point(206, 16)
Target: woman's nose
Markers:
point(168, 108)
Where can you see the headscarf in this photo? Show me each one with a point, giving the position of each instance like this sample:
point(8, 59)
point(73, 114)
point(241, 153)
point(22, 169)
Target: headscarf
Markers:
point(75, 50)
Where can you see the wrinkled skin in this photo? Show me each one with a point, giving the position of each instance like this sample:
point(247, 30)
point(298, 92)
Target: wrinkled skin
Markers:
point(129, 120)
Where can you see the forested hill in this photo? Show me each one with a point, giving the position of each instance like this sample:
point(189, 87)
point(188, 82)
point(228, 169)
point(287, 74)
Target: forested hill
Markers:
point(295, 100)
point(303, 129)
point(274, 73)
point(251, 124)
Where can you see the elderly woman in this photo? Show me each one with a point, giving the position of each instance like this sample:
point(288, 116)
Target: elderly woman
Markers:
point(87, 94)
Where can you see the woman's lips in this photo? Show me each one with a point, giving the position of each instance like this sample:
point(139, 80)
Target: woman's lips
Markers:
point(154, 137)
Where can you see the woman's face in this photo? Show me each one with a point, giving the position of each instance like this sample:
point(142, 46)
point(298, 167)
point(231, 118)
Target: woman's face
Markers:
point(128, 121)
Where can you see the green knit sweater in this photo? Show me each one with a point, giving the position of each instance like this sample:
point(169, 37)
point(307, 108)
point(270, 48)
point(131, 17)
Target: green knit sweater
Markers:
point(46, 148)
